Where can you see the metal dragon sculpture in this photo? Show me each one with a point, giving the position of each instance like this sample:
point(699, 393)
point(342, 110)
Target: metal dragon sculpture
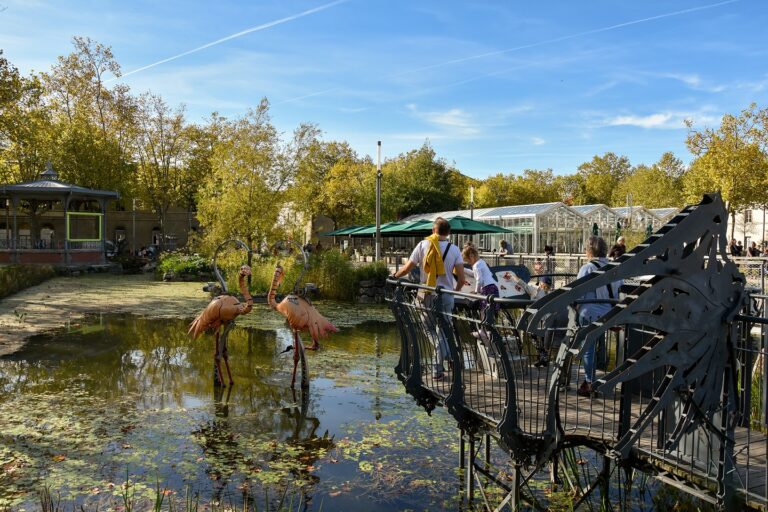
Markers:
point(688, 296)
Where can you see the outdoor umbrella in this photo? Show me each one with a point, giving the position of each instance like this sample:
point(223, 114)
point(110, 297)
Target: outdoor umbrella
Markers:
point(370, 230)
point(459, 226)
point(345, 231)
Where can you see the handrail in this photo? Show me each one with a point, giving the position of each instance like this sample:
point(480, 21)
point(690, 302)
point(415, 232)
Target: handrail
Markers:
point(492, 384)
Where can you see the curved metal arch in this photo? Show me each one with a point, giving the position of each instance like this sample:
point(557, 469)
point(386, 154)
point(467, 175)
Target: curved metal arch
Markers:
point(238, 244)
point(296, 290)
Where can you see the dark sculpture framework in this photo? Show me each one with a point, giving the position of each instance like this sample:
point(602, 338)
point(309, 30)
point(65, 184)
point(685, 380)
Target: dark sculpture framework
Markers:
point(677, 373)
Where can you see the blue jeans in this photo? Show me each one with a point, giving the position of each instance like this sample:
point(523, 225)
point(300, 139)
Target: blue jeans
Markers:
point(441, 340)
point(588, 357)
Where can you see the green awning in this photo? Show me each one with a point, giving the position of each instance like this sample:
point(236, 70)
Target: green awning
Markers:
point(343, 231)
point(371, 230)
point(459, 226)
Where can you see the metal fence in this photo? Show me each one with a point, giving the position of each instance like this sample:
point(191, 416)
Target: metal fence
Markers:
point(498, 379)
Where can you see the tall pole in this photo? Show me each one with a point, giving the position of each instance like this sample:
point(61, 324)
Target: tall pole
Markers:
point(378, 201)
point(471, 208)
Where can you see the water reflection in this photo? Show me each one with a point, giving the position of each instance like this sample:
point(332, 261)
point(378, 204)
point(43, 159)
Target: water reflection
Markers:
point(140, 393)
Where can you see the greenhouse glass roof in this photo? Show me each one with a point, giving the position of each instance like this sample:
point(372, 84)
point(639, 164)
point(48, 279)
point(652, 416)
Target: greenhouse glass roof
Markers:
point(623, 211)
point(664, 213)
point(522, 210)
point(586, 209)
point(478, 212)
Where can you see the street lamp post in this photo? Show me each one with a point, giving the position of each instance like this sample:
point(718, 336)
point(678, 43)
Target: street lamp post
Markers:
point(471, 208)
point(378, 201)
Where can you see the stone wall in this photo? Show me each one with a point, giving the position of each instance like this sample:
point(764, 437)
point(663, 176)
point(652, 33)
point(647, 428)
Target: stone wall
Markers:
point(14, 278)
point(371, 292)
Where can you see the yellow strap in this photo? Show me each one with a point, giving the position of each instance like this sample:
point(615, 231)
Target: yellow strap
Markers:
point(433, 261)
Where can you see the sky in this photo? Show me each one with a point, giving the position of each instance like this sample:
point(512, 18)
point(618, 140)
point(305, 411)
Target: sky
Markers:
point(495, 86)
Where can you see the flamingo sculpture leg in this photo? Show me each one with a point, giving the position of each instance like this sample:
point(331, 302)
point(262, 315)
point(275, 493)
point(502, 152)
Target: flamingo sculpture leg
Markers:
point(301, 316)
point(222, 311)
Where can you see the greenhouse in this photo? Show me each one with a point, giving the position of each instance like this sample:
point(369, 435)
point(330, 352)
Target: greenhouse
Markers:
point(664, 214)
point(606, 219)
point(532, 227)
point(637, 218)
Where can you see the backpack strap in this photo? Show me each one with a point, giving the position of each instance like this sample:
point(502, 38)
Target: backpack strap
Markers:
point(598, 265)
point(445, 253)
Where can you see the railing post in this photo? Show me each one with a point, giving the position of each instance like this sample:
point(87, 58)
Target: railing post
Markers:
point(470, 472)
point(764, 358)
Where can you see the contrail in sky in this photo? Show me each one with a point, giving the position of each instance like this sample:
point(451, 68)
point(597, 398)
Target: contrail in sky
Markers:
point(531, 45)
point(238, 34)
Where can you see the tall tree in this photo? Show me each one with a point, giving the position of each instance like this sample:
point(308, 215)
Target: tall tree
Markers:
point(245, 195)
point(161, 150)
point(732, 159)
point(201, 141)
point(600, 177)
point(93, 126)
point(313, 171)
point(650, 187)
point(672, 166)
point(347, 193)
point(496, 190)
point(416, 182)
point(25, 125)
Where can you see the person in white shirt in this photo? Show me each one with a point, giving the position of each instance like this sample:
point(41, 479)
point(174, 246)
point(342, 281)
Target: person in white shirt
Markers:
point(485, 284)
point(452, 263)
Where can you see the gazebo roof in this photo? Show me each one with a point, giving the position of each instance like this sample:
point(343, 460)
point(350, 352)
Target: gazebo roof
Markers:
point(52, 187)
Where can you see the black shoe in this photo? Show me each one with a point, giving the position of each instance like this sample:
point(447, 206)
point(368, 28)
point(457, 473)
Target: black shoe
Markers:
point(542, 363)
point(585, 389)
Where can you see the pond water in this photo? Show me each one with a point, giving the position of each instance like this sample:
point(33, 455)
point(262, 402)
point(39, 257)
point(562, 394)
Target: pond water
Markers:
point(123, 398)
point(119, 409)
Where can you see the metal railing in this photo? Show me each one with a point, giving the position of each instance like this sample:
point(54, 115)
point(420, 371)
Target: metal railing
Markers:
point(496, 378)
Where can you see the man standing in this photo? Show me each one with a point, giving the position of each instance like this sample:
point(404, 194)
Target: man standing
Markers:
point(438, 259)
point(734, 249)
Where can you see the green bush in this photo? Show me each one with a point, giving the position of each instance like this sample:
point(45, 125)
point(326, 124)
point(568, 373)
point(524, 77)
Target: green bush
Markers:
point(14, 278)
point(184, 264)
point(372, 272)
point(330, 270)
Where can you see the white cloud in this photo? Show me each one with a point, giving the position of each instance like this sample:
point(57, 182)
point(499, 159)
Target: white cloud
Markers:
point(662, 120)
point(455, 120)
point(651, 121)
point(537, 141)
point(695, 82)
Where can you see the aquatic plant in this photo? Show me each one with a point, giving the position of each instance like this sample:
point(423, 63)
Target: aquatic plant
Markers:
point(182, 264)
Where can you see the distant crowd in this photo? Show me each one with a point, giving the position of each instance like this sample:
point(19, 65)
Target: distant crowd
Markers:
point(753, 251)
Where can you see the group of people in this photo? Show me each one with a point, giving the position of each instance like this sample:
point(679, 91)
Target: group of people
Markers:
point(309, 248)
point(441, 263)
point(753, 251)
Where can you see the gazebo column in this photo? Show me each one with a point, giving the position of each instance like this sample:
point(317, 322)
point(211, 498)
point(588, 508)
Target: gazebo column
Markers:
point(66, 229)
point(103, 230)
point(15, 232)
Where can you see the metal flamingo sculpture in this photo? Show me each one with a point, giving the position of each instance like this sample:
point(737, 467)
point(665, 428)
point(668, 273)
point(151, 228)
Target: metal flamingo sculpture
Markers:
point(222, 311)
point(301, 316)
